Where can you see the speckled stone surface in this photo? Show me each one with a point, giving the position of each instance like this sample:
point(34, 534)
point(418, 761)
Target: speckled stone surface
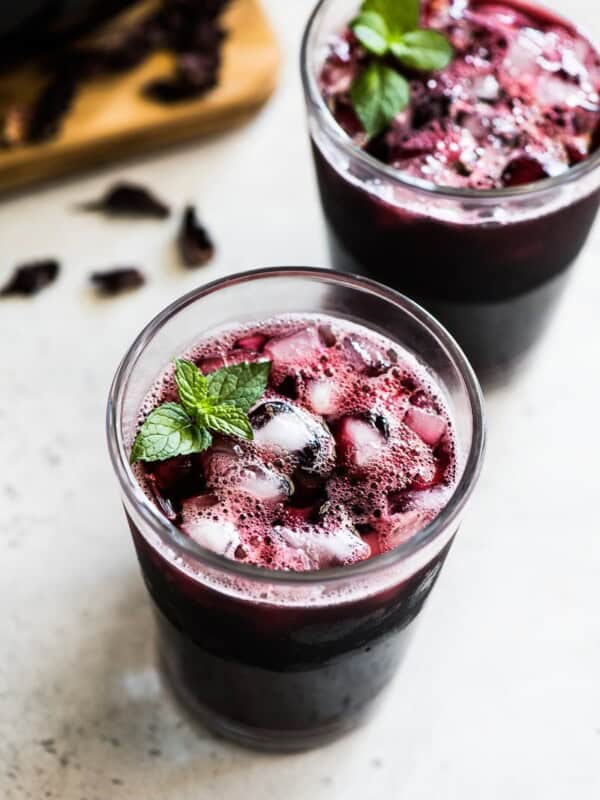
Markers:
point(500, 695)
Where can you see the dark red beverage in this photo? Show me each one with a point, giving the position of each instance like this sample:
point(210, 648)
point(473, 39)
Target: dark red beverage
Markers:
point(282, 602)
point(479, 196)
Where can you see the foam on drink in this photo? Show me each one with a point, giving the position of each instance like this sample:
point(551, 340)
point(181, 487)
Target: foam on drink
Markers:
point(354, 449)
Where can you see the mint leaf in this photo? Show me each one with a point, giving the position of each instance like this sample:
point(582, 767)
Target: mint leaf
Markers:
point(215, 402)
point(229, 420)
point(423, 49)
point(378, 94)
point(191, 385)
point(371, 31)
point(240, 385)
point(398, 15)
point(168, 431)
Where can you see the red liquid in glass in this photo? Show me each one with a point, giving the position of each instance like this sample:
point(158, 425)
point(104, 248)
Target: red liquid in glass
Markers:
point(353, 454)
point(519, 103)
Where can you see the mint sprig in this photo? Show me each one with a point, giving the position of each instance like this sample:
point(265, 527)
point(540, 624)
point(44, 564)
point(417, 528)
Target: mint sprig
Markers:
point(379, 92)
point(216, 402)
point(390, 27)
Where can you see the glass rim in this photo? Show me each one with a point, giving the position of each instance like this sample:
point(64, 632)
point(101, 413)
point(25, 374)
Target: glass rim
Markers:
point(327, 121)
point(160, 524)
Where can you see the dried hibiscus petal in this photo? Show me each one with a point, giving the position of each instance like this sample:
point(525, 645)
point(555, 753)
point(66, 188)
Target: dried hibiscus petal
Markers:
point(195, 245)
point(196, 74)
point(120, 279)
point(32, 277)
point(51, 106)
point(170, 90)
point(129, 199)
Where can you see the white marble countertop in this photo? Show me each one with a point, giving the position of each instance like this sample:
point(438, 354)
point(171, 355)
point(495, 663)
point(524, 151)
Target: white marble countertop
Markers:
point(500, 694)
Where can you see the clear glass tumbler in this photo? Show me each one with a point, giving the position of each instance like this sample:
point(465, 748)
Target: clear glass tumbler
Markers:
point(489, 264)
point(284, 660)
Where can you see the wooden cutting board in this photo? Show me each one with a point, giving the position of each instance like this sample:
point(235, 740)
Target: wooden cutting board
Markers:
point(111, 119)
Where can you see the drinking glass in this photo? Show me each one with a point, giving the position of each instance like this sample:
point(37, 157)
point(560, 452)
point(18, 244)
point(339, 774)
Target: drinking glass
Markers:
point(287, 660)
point(489, 264)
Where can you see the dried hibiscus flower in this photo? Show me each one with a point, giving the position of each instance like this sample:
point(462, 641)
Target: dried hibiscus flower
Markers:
point(48, 111)
point(129, 199)
point(196, 74)
point(32, 277)
point(195, 245)
point(120, 279)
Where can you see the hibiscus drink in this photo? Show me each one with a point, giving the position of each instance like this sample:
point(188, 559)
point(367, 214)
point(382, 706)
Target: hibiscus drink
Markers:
point(277, 624)
point(352, 453)
point(435, 203)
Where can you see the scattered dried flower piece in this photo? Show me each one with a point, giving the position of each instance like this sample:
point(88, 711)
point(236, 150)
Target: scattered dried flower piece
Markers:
point(195, 245)
point(196, 74)
point(120, 279)
point(31, 278)
point(52, 104)
point(129, 199)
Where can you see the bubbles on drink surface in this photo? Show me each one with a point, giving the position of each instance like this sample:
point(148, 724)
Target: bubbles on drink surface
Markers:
point(353, 449)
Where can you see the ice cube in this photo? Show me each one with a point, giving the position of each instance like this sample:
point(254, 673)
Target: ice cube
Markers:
point(553, 91)
point(522, 55)
point(281, 427)
point(429, 427)
point(322, 396)
point(200, 502)
point(284, 431)
point(411, 511)
point(486, 87)
point(220, 536)
point(253, 341)
point(406, 525)
point(359, 440)
point(221, 463)
point(210, 364)
point(304, 345)
point(263, 483)
point(325, 547)
point(213, 362)
point(365, 356)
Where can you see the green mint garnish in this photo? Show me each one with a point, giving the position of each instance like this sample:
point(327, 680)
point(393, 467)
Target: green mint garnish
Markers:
point(390, 27)
point(398, 15)
point(216, 402)
point(191, 386)
point(377, 95)
point(242, 384)
point(372, 32)
point(168, 431)
point(423, 49)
